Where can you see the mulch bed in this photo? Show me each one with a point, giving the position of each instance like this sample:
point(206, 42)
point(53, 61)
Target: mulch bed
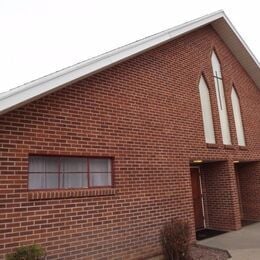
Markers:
point(199, 252)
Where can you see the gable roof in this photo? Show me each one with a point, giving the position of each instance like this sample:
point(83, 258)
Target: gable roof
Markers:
point(40, 87)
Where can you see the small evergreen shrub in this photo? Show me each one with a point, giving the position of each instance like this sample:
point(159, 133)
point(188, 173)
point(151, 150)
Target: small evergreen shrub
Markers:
point(32, 252)
point(175, 240)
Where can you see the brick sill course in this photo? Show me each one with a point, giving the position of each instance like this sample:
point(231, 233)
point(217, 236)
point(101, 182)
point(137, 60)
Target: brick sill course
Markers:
point(70, 193)
point(229, 147)
point(214, 146)
point(242, 148)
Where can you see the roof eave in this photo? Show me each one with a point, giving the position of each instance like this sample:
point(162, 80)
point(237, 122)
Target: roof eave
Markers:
point(55, 81)
point(238, 47)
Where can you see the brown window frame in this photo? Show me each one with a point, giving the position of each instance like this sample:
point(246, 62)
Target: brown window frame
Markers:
point(59, 172)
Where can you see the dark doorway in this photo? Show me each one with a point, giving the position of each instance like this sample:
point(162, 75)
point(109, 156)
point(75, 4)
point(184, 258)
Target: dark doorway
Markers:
point(207, 233)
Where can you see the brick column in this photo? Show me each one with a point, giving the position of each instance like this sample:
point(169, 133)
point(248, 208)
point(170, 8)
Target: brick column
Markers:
point(221, 196)
point(249, 179)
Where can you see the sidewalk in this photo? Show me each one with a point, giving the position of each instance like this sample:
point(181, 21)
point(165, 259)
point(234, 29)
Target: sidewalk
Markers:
point(243, 244)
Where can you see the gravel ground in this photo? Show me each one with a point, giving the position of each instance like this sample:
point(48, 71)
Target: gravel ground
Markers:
point(199, 252)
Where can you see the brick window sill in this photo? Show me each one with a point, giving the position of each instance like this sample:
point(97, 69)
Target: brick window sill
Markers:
point(229, 147)
point(213, 146)
point(70, 193)
point(242, 148)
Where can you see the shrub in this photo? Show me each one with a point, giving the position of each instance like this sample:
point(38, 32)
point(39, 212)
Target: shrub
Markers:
point(175, 240)
point(33, 252)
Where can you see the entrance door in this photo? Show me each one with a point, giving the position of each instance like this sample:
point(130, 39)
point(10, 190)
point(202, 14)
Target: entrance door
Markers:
point(197, 198)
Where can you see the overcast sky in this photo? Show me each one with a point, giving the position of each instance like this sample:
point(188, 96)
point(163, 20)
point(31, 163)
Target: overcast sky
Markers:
point(41, 36)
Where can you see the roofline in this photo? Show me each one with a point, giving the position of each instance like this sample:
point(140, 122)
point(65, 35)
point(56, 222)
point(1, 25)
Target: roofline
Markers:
point(35, 89)
point(241, 39)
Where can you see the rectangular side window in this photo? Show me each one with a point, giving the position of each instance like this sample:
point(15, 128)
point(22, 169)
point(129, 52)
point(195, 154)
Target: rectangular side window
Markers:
point(54, 172)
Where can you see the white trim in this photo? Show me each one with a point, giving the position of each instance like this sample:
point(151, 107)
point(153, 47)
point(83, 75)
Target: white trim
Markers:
point(50, 83)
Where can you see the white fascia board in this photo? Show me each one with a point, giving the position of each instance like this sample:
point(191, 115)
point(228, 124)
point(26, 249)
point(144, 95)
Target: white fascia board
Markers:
point(238, 47)
point(50, 83)
point(241, 39)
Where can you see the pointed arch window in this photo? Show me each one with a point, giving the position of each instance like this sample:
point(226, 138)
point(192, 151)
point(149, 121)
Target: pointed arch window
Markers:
point(238, 118)
point(206, 112)
point(222, 109)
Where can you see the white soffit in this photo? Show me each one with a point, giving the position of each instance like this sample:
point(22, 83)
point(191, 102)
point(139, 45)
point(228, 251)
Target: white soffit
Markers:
point(238, 47)
point(35, 89)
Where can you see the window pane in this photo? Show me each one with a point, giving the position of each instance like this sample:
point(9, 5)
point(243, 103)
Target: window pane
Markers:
point(36, 181)
point(100, 179)
point(73, 164)
point(36, 164)
point(100, 172)
point(74, 180)
point(73, 172)
point(43, 172)
point(238, 118)
point(36, 172)
point(52, 180)
point(52, 164)
point(206, 112)
point(222, 109)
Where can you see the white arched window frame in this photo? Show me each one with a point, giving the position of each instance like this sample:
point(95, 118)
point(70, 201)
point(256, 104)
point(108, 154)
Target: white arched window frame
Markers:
point(206, 112)
point(238, 118)
point(222, 108)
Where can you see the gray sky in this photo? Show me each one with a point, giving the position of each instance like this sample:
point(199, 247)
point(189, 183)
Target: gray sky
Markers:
point(41, 36)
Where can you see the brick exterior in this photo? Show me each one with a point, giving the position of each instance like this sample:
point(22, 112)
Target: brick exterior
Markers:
point(146, 114)
point(249, 185)
point(220, 196)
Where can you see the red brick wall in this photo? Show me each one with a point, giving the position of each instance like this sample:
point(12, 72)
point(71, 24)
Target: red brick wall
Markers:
point(249, 182)
point(146, 114)
point(220, 196)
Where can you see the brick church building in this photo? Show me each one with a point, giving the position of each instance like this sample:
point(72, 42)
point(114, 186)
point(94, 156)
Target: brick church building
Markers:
point(95, 158)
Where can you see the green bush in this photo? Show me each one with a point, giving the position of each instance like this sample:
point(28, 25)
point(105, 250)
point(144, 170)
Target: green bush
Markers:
point(175, 240)
point(33, 252)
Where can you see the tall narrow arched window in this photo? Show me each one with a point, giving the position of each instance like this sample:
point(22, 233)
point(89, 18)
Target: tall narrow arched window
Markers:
point(222, 109)
point(206, 112)
point(238, 118)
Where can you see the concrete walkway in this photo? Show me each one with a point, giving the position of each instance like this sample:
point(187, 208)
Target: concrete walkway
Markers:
point(243, 244)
